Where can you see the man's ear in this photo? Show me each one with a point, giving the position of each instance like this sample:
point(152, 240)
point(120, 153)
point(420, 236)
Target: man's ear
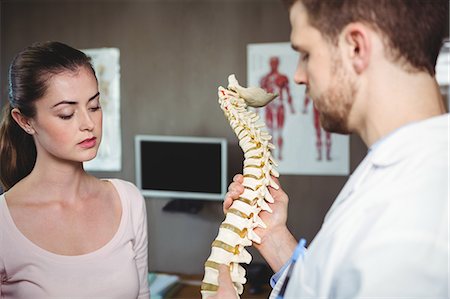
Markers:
point(358, 45)
point(22, 121)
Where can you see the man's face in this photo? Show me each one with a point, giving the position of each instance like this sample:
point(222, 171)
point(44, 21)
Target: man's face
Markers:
point(328, 82)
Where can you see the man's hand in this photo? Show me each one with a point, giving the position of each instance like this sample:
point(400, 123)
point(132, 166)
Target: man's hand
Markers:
point(226, 289)
point(277, 243)
point(274, 220)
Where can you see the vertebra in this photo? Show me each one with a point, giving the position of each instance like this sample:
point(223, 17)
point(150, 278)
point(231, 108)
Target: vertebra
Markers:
point(237, 230)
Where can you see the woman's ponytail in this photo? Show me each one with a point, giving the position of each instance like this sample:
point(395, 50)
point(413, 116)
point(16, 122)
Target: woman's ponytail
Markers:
point(17, 151)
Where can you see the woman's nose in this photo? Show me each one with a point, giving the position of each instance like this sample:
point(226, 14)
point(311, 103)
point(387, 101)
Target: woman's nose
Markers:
point(86, 122)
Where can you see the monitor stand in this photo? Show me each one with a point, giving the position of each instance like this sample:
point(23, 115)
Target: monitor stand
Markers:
point(188, 206)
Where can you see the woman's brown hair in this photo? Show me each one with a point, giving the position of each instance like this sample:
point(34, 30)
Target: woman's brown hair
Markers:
point(29, 73)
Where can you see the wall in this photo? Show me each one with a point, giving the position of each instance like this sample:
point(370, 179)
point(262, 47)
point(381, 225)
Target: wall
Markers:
point(174, 55)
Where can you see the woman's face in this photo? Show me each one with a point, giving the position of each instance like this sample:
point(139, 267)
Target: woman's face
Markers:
point(68, 120)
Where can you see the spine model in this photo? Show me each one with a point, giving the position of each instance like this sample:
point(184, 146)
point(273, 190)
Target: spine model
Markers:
point(236, 231)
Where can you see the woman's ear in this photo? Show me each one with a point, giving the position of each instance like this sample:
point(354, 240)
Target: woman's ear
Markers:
point(356, 38)
point(22, 121)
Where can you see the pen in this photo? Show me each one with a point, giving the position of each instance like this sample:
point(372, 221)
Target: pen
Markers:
point(299, 251)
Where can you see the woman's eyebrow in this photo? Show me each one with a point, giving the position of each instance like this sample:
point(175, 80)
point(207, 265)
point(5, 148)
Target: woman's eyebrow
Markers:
point(71, 102)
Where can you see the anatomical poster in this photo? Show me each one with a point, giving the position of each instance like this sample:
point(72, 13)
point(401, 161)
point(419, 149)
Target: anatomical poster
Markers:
point(302, 146)
point(107, 68)
point(443, 71)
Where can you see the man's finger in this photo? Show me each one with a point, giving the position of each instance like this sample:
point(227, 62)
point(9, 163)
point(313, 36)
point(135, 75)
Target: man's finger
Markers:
point(235, 189)
point(276, 180)
point(238, 178)
point(224, 275)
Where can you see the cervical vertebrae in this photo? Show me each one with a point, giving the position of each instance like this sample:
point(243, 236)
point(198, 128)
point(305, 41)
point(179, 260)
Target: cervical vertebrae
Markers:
point(237, 230)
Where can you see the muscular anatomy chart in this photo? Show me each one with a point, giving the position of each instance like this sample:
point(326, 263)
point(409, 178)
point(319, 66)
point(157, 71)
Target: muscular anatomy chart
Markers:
point(302, 146)
point(275, 82)
point(319, 131)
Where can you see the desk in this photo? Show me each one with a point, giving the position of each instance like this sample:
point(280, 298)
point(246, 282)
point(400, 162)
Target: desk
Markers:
point(189, 288)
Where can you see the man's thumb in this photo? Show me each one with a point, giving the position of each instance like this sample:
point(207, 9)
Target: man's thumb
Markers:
point(224, 274)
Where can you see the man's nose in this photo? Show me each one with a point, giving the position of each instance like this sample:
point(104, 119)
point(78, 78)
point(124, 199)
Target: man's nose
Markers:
point(300, 75)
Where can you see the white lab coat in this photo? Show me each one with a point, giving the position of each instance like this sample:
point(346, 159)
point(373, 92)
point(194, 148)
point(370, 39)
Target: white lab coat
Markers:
point(387, 233)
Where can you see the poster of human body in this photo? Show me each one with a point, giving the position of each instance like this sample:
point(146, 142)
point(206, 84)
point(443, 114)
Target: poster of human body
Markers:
point(443, 71)
point(107, 68)
point(302, 146)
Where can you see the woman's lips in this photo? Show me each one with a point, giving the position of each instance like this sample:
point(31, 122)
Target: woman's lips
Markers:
point(88, 143)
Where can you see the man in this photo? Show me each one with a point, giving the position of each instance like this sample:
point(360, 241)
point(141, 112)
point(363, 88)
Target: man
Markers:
point(369, 68)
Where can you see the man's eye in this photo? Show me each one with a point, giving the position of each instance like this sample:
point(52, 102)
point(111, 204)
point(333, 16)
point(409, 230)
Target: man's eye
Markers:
point(304, 57)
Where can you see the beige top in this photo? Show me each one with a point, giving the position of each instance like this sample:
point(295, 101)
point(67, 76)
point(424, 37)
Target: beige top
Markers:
point(117, 270)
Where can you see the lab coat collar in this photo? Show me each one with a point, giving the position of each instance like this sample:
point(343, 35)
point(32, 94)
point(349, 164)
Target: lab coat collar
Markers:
point(392, 149)
point(399, 144)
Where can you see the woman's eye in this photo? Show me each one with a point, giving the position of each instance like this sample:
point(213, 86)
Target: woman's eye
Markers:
point(65, 117)
point(93, 109)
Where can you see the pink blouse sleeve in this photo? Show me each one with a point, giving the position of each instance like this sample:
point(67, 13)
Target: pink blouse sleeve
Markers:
point(2, 277)
point(141, 245)
point(2, 268)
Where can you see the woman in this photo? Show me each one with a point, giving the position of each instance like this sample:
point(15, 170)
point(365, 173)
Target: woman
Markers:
point(63, 232)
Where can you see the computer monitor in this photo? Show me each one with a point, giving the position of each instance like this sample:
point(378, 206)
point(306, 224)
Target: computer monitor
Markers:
point(181, 167)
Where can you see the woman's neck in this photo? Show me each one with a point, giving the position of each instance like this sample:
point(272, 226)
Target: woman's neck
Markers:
point(58, 181)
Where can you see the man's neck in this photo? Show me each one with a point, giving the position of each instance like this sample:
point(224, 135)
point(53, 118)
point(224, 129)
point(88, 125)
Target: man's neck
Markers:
point(395, 99)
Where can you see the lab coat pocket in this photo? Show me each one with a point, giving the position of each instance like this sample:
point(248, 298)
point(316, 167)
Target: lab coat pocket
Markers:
point(301, 284)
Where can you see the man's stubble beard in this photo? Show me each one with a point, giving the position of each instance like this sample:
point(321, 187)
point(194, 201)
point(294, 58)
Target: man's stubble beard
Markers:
point(336, 102)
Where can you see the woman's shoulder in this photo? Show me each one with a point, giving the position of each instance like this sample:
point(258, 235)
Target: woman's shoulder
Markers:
point(133, 202)
point(122, 184)
point(127, 191)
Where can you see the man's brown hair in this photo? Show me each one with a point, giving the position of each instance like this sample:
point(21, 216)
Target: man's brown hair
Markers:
point(413, 30)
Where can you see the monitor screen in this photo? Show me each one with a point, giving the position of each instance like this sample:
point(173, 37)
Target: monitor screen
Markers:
point(181, 167)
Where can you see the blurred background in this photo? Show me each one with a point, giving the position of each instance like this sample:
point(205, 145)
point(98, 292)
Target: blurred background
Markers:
point(173, 56)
